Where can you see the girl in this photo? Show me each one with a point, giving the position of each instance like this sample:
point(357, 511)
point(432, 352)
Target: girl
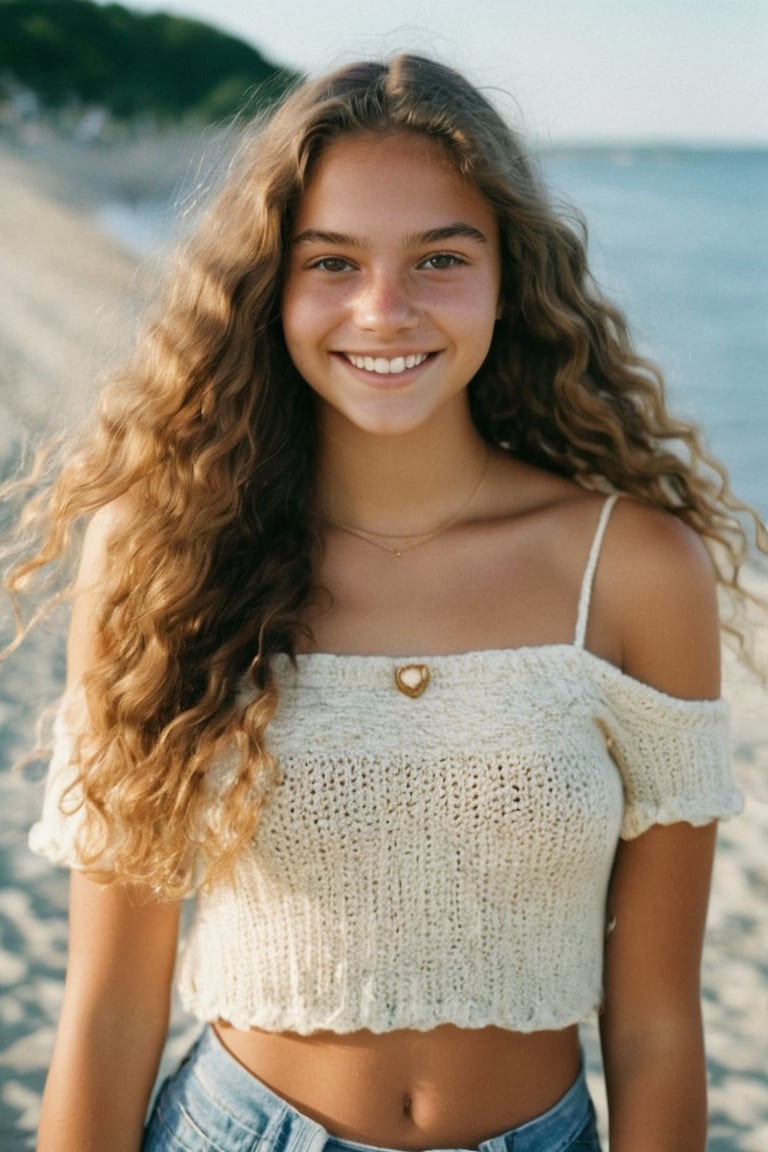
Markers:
point(367, 653)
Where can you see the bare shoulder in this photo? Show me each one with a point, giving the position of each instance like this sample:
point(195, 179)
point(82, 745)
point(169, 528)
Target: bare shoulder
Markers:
point(658, 587)
point(658, 555)
point(106, 524)
point(104, 527)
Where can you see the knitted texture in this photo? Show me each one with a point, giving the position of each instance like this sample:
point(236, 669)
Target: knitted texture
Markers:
point(443, 859)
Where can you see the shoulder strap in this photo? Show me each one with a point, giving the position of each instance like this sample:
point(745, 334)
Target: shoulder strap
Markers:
point(589, 572)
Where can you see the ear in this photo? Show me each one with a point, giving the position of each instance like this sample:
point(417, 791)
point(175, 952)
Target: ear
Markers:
point(500, 307)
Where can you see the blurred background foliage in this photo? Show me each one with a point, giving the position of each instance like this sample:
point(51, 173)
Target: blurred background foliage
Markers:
point(130, 64)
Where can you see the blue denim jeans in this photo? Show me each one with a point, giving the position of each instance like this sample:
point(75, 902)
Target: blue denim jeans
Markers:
point(213, 1104)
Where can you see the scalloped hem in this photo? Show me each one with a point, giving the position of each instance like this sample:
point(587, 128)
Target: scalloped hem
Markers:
point(640, 817)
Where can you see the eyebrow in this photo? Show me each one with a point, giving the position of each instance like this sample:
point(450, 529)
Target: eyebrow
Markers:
point(431, 236)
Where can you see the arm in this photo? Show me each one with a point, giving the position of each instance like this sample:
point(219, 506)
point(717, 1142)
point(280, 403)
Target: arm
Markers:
point(121, 957)
point(653, 1045)
point(651, 1028)
point(114, 1019)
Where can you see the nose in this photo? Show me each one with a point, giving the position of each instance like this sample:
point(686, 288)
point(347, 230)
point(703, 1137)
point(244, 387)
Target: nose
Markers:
point(385, 304)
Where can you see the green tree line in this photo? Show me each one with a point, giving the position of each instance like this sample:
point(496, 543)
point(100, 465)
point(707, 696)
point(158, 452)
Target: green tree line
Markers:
point(132, 63)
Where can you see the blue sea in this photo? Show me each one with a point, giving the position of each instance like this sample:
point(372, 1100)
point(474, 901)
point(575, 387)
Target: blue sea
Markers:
point(679, 239)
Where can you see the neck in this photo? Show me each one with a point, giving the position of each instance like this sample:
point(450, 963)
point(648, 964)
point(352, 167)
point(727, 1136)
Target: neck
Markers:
point(400, 485)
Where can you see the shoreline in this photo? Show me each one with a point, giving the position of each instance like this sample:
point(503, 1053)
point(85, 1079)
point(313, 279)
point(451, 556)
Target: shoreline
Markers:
point(68, 302)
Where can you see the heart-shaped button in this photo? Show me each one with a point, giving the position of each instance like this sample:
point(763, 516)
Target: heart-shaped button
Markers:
point(412, 679)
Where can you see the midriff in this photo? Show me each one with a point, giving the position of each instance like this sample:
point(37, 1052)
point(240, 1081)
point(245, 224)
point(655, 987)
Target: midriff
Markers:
point(446, 1088)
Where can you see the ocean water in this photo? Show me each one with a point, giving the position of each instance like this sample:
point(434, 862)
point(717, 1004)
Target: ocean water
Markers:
point(679, 239)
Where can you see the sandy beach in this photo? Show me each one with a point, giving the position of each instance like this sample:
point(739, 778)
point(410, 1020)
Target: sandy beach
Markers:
point(69, 297)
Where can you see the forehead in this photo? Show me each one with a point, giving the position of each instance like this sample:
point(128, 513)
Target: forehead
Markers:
point(382, 180)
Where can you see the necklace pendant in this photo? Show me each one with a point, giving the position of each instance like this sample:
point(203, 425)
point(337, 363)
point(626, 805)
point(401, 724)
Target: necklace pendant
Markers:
point(411, 679)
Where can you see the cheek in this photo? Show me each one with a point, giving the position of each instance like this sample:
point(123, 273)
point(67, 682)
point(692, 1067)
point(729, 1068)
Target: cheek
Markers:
point(477, 320)
point(472, 309)
point(299, 350)
point(298, 325)
point(306, 316)
point(304, 335)
point(290, 309)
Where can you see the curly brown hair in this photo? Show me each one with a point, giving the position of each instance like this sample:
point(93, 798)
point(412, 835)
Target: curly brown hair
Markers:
point(209, 435)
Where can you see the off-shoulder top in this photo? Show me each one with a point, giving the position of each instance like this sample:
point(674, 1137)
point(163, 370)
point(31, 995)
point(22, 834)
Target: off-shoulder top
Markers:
point(440, 845)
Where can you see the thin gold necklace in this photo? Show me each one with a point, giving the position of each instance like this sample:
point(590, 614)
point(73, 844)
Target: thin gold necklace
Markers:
point(378, 539)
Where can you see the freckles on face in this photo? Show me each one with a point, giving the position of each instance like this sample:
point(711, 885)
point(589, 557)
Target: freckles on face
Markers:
point(393, 278)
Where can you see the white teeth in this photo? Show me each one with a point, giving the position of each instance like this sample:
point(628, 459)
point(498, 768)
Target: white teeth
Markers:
point(384, 367)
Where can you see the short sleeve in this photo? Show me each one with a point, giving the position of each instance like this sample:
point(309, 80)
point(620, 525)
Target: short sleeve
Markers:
point(674, 757)
point(55, 834)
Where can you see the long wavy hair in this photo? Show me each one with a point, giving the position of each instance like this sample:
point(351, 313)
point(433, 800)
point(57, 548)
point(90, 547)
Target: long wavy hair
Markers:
point(207, 439)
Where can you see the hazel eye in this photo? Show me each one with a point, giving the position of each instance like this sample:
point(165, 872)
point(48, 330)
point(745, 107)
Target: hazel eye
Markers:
point(441, 260)
point(332, 264)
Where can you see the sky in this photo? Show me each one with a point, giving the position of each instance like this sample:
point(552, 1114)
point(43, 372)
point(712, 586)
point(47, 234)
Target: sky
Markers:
point(581, 70)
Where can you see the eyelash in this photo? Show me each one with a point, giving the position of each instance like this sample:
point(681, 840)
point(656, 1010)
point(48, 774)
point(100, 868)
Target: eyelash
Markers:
point(448, 260)
point(453, 261)
point(322, 265)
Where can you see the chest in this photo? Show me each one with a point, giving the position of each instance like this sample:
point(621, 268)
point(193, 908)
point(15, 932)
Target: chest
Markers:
point(493, 769)
point(482, 588)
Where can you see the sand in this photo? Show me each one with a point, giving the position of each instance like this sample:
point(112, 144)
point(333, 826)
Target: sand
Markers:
point(68, 300)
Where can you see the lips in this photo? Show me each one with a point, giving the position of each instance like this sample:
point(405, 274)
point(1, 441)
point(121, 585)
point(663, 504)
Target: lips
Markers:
point(381, 366)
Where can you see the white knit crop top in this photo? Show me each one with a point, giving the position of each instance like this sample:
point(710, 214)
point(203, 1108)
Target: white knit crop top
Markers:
point(440, 845)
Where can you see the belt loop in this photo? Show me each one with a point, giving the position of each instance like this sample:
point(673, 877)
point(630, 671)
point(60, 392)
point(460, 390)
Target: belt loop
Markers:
point(505, 1142)
point(307, 1136)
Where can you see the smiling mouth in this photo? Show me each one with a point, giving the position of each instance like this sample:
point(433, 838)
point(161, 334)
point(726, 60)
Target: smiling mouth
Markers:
point(383, 367)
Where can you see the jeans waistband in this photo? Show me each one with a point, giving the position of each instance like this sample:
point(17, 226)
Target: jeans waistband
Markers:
point(243, 1094)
